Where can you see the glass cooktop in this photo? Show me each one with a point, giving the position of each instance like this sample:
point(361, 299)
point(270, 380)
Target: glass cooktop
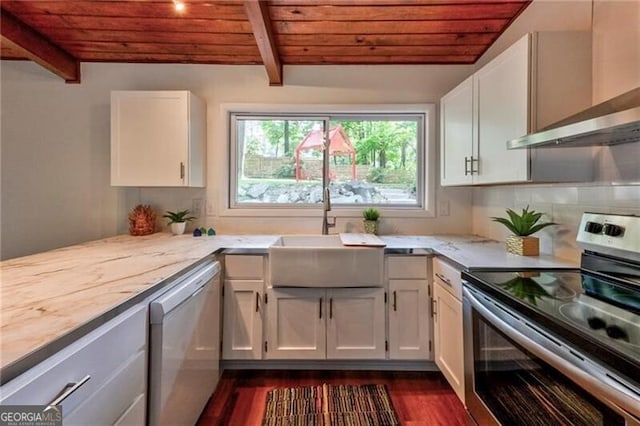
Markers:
point(605, 312)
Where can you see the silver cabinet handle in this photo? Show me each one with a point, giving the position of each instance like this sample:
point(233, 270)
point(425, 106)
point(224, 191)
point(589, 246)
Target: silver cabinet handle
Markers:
point(468, 166)
point(330, 307)
point(68, 390)
point(320, 305)
point(477, 162)
point(181, 170)
point(395, 301)
point(257, 301)
point(444, 279)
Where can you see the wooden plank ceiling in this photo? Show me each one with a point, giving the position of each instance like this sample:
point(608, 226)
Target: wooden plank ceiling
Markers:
point(56, 33)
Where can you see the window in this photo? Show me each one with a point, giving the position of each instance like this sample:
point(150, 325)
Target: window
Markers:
point(285, 160)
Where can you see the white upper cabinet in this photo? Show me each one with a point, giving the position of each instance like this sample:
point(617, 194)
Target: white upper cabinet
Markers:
point(542, 78)
point(456, 124)
point(157, 139)
point(501, 90)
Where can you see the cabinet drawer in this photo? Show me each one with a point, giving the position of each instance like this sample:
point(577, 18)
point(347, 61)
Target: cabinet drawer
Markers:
point(97, 355)
point(115, 398)
point(448, 276)
point(135, 414)
point(244, 267)
point(407, 267)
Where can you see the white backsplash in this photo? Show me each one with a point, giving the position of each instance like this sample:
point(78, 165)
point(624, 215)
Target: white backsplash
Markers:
point(616, 190)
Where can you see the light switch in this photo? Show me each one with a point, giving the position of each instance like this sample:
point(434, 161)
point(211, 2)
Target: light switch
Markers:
point(443, 208)
point(196, 207)
point(210, 210)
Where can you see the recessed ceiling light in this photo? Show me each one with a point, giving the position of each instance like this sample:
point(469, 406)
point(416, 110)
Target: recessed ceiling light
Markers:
point(179, 5)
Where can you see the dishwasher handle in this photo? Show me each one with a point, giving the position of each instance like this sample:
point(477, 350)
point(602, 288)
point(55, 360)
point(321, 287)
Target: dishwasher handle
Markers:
point(187, 288)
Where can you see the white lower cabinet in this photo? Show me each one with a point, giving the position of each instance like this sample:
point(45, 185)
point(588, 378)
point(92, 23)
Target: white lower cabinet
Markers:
point(345, 323)
point(408, 319)
point(447, 325)
point(296, 323)
point(242, 330)
point(108, 401)
point(134, 415)
point(104, 375)
point(355, 325)
point(408, 307)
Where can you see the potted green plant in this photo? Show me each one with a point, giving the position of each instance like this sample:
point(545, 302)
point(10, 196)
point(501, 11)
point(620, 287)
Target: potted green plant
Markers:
point(522, 226)
point(178, 220)
point(371, 216)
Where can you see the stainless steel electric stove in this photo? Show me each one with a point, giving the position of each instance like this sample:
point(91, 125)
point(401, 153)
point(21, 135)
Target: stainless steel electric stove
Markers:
point(559, 346)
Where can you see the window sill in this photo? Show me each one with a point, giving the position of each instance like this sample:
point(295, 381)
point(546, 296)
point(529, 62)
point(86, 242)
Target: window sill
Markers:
point(339, 212)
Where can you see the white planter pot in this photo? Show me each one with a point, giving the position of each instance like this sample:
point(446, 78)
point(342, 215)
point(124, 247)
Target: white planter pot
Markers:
point(178, 228)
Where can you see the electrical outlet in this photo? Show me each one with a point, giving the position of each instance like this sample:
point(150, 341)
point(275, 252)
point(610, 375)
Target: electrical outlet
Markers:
point(210, 210)
point(196, 207)
point(443, 208)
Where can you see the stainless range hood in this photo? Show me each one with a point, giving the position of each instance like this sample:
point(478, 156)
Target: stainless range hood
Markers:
point(612, 122)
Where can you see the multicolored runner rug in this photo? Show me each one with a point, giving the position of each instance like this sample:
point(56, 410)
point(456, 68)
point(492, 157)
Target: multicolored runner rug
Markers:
point(330, 405)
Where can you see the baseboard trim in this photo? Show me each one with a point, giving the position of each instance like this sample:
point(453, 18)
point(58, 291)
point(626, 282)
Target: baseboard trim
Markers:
point(378, 365)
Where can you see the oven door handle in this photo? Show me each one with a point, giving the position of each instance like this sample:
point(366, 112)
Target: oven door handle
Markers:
point(582, 371)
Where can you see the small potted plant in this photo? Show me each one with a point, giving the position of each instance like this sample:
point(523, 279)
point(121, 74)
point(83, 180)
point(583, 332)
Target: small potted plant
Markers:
point(371, 216)
point(178, 221)
point(522, 226)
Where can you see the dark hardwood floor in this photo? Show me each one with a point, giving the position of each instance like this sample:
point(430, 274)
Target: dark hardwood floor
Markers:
point(419, 398)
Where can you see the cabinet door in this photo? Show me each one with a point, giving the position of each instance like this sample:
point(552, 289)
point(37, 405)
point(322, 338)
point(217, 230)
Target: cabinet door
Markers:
point(149, 138)
point(447, 326)
point(242, 330)
point(409, 320)
point(456, 131)
point(296, 324)
point(356, 326)
point(502, 93)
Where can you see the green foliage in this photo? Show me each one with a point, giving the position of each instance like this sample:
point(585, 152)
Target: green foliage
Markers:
point(523, 224)
point(285, 135)
point(178, 217)
point(286, 171)
point(385, 144)
point(376, 175)
point(371, 213)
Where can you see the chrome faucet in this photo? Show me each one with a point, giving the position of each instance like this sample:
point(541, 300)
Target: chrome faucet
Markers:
point(326, 207)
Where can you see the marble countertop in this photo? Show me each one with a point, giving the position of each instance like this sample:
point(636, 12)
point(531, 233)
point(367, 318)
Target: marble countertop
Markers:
point(48, 295)
point(473, 252)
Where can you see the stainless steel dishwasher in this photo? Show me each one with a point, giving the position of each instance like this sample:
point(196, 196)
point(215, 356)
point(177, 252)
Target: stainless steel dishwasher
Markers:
point(185, 347)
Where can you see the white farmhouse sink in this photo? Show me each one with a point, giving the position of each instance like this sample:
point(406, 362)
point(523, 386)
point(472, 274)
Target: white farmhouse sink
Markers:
point(322, 261)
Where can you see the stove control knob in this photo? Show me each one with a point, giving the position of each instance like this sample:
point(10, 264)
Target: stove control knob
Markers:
point(593, 227)
point(612, 230)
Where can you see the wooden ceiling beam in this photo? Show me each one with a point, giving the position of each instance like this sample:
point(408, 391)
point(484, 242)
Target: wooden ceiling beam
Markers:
point(39, 49)
point(258, 14)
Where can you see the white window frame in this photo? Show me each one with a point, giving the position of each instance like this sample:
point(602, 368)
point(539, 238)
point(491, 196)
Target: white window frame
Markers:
point(427, 173)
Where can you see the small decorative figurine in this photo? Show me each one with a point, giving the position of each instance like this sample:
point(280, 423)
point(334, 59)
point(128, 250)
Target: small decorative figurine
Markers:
point(197, 232)
point(142, 220)
point(211, 232)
